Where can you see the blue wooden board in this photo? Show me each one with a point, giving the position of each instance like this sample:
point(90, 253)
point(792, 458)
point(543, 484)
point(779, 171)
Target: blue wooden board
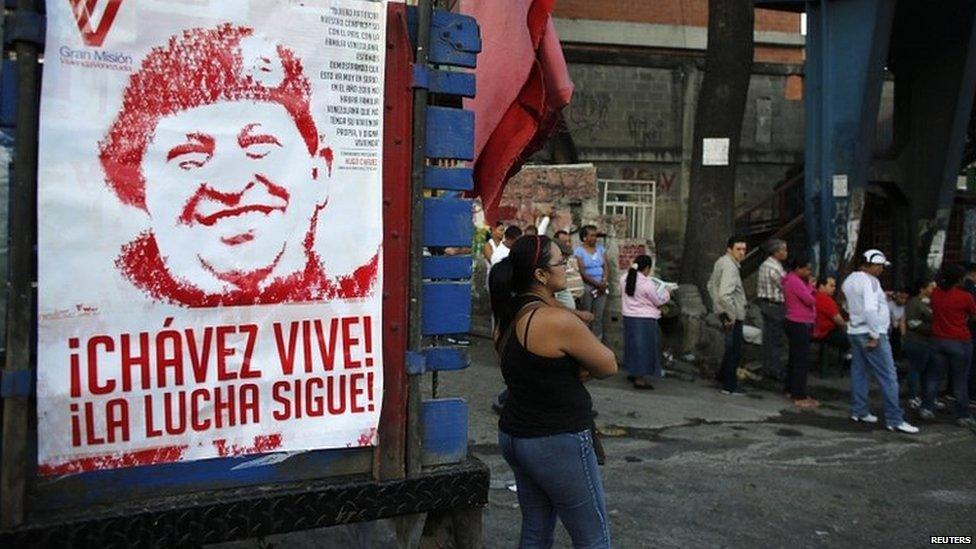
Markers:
point(446, 308)
point(453, 83)
point(455, 39)
point(444, 431)
point(444, 82)
point(455, 179)
point(450, 133)
point(447, 222)
point(447, 267)
point(444, 359)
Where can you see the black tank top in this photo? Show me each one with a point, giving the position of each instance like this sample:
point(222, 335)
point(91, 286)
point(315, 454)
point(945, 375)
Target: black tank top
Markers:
point(545, 395)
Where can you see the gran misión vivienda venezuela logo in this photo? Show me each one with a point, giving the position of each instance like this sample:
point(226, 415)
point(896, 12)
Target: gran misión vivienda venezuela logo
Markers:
point(93, 35)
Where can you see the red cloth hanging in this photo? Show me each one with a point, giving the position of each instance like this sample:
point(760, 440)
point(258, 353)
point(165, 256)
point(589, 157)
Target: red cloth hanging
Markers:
point(523, 84)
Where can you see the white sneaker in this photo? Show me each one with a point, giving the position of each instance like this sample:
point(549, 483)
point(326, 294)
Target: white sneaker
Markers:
point(926, 414)
point(939, 405)
point(914, 403)
point(868, 418)
point(904, 427)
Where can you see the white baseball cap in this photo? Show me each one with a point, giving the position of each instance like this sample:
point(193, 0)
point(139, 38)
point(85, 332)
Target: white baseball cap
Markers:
point(876, 257)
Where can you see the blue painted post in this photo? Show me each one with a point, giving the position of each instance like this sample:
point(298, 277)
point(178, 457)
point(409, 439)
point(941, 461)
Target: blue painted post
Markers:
point(848, 43)
point(445, 300)
point(813, 96)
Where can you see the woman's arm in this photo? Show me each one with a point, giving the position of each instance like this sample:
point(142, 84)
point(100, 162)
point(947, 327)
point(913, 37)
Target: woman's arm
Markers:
point(657, 295)
point(839, 320)
point(802, 292)
point(577, 341)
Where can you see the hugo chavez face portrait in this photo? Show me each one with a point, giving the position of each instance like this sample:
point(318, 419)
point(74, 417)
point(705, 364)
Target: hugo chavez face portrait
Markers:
point(216, 144)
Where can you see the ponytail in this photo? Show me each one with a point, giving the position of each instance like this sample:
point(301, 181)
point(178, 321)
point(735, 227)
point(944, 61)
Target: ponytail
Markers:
point(640, 263)
point(501, 292)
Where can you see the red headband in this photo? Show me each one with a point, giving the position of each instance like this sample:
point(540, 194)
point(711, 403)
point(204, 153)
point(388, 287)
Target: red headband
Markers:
point(538, 248)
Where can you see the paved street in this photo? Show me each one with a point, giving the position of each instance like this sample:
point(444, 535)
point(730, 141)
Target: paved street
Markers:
point(689, 467)
point(693, 468)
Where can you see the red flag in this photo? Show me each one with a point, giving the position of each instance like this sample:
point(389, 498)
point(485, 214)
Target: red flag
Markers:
point(523, 84)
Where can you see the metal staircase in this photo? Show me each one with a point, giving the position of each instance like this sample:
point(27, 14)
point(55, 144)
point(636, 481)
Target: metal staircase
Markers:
point(778, 215)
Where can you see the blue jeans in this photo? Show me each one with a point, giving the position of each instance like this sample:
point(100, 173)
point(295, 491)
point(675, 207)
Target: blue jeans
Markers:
point(955, 356)
point(732, 356)
point(923, 379)
point(558, 475)
point(881, 364)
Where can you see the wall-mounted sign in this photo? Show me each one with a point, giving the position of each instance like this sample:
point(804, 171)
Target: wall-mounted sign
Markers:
point(715, 151)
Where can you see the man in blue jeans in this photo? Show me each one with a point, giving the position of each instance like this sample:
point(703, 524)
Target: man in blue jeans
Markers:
point(729, 302)
point(868, 333)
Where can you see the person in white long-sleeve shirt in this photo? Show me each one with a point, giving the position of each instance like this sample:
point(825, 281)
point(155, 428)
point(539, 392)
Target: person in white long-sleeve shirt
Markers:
point(868, 333)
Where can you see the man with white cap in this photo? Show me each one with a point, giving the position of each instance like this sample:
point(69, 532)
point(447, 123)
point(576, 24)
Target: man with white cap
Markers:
point(868, 333)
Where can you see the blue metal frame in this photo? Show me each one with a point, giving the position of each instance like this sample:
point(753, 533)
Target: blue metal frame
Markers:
point(947, 166)
point(847, 47)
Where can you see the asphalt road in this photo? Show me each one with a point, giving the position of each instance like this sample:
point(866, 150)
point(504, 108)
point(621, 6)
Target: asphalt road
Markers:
point(688, 467)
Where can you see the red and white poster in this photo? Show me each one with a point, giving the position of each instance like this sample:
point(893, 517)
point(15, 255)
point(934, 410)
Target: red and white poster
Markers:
point(210, 223)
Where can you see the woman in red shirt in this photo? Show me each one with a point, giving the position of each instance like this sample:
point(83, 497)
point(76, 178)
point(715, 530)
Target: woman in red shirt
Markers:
point(952, 307)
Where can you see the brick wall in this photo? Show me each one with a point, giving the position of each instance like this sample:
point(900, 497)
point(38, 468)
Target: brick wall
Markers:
point(666, 12)
point(783, 55)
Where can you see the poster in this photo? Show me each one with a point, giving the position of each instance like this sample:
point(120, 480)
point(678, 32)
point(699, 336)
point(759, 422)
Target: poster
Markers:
point(839, 185)
point(715, 151)
point(210, 224)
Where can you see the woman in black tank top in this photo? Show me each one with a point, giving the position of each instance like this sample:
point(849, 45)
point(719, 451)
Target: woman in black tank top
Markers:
point(546, 354)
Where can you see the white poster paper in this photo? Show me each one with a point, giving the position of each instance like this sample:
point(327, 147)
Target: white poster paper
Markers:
point(210, 229)
point(715, 151)
point(840, 185)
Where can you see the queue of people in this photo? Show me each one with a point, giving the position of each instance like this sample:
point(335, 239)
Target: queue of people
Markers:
point(933, 326)
point(548, 299)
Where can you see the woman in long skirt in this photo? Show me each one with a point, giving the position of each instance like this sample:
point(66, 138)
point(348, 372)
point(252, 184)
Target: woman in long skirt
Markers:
point(642, 297)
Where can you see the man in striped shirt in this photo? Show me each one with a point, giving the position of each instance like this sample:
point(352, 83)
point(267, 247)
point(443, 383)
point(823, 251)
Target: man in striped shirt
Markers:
point(770, 293)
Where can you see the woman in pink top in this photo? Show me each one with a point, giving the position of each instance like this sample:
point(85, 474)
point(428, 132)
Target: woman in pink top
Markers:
point(799, 296)
point(642, 296)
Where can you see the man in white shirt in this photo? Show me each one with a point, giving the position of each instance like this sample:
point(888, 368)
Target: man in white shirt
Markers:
point(868, 333)
point(501, 251)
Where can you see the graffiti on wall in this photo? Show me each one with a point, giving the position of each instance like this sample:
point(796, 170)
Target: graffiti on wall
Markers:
point(969, 235)
point(643, 133)
point(665, 178)
point(589, 112)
